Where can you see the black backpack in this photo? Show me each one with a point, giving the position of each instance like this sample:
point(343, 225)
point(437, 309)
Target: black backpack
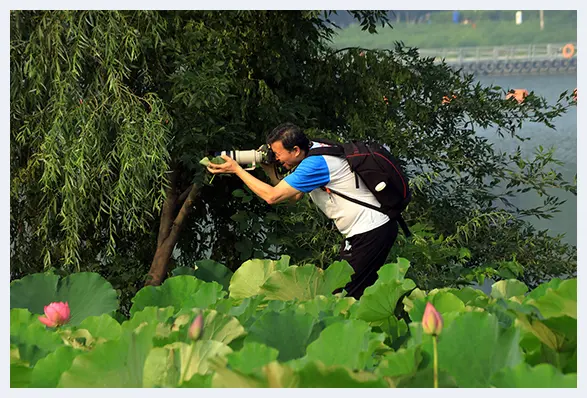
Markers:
point(379, 171)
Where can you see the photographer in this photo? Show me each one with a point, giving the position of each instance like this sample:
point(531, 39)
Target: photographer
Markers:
point(368, 234)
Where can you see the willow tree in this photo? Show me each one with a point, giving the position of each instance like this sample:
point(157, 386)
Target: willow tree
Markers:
point(111, 112)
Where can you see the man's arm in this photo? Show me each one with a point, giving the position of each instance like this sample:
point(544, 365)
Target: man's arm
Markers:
point(271, 172)
point(272, 195)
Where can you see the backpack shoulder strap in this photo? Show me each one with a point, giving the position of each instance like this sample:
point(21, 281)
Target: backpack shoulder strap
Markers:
point(400, 220)
point(335, 149)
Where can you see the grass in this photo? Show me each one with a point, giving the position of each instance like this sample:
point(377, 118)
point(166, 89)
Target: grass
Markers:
point(442, 33)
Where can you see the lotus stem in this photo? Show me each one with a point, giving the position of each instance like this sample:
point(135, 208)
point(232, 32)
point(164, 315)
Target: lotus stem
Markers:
point(435, 344)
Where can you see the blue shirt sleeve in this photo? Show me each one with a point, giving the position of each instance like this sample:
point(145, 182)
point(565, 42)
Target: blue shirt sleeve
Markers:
point(310, 174)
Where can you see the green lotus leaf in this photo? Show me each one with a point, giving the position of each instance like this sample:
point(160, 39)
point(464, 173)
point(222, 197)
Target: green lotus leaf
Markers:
point(541, 289)
point(349, 343)
point(48, 370)
point(472, 347)
point(274, 374)
point(33, 339)
point(306, 282)
point(20, 375)
point(252, 274)
point(103, 326)
point(179, 271)
point(541, 376)
point(179, 292)
point(313, 375)
point(396, 329)
point(148, 315)
point(113, 364)
point(87, 293)
point(425, 379)
point(379, 301)
point(411, 298)
point(508, 288)
point(212, 271)
point(34, 292)
point(565, 325)
point(553, 336)
point(443, 301)
point(317, 375)
point(206, 161)
point(247, 311)
point(198, 381)
point(162, 368)
point(178, 362)
point(393, 271)
point(207, 271)
point(403, 362)
point(327, 305)
point(252, 357)
point(558, 301)
point(287, 331)
point(470, 296)
point(221, 327)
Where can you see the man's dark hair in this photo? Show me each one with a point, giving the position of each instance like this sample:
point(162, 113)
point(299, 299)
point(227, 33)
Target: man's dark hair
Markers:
point(290, 136)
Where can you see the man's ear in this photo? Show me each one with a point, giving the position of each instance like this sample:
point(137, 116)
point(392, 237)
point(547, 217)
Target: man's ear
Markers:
point(297, 150)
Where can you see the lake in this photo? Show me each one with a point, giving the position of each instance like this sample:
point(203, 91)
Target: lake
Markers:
point(563, 138)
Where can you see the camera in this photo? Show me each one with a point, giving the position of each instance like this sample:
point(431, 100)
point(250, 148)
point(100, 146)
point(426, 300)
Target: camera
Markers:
point(251, 157)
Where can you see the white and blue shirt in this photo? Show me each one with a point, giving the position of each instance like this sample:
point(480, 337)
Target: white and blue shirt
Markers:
point(334, 173)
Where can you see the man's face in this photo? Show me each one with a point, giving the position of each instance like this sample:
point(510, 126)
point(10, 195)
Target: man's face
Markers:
point(289, 159)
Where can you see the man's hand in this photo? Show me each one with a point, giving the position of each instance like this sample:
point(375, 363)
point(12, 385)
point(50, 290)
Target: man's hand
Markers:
point(229, 167)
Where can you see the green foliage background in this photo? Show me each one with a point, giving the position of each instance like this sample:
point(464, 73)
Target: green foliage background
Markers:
point(111, 112)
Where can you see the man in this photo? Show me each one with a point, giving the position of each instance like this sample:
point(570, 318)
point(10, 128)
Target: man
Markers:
point(368, 234)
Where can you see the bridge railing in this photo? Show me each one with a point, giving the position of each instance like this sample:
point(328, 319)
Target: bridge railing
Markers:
point(505, 53)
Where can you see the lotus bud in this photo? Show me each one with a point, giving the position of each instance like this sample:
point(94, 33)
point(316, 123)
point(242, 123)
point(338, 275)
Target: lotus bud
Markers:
point(195, 329)
point(56, 314)
point(432, 320)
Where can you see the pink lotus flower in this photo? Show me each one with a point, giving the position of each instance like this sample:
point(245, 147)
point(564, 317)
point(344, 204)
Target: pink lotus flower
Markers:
point(56, 314)
point(195, 329)
point(432, 320)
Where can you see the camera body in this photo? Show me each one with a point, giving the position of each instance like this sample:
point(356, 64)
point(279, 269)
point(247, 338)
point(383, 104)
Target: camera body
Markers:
point(251, 157)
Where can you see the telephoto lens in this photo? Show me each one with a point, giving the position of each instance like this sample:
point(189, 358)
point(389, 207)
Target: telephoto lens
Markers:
point(249, 157)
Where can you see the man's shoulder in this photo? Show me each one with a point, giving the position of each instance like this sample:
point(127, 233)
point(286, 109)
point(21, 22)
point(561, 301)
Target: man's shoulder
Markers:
point(312, 161)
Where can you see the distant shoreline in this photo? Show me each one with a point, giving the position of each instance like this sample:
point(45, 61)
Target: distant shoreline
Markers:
point(558, 28)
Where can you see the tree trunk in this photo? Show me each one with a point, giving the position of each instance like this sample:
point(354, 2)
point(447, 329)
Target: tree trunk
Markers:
point(169, 228)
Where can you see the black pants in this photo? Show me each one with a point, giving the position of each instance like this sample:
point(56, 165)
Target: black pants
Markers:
point(366, 253)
